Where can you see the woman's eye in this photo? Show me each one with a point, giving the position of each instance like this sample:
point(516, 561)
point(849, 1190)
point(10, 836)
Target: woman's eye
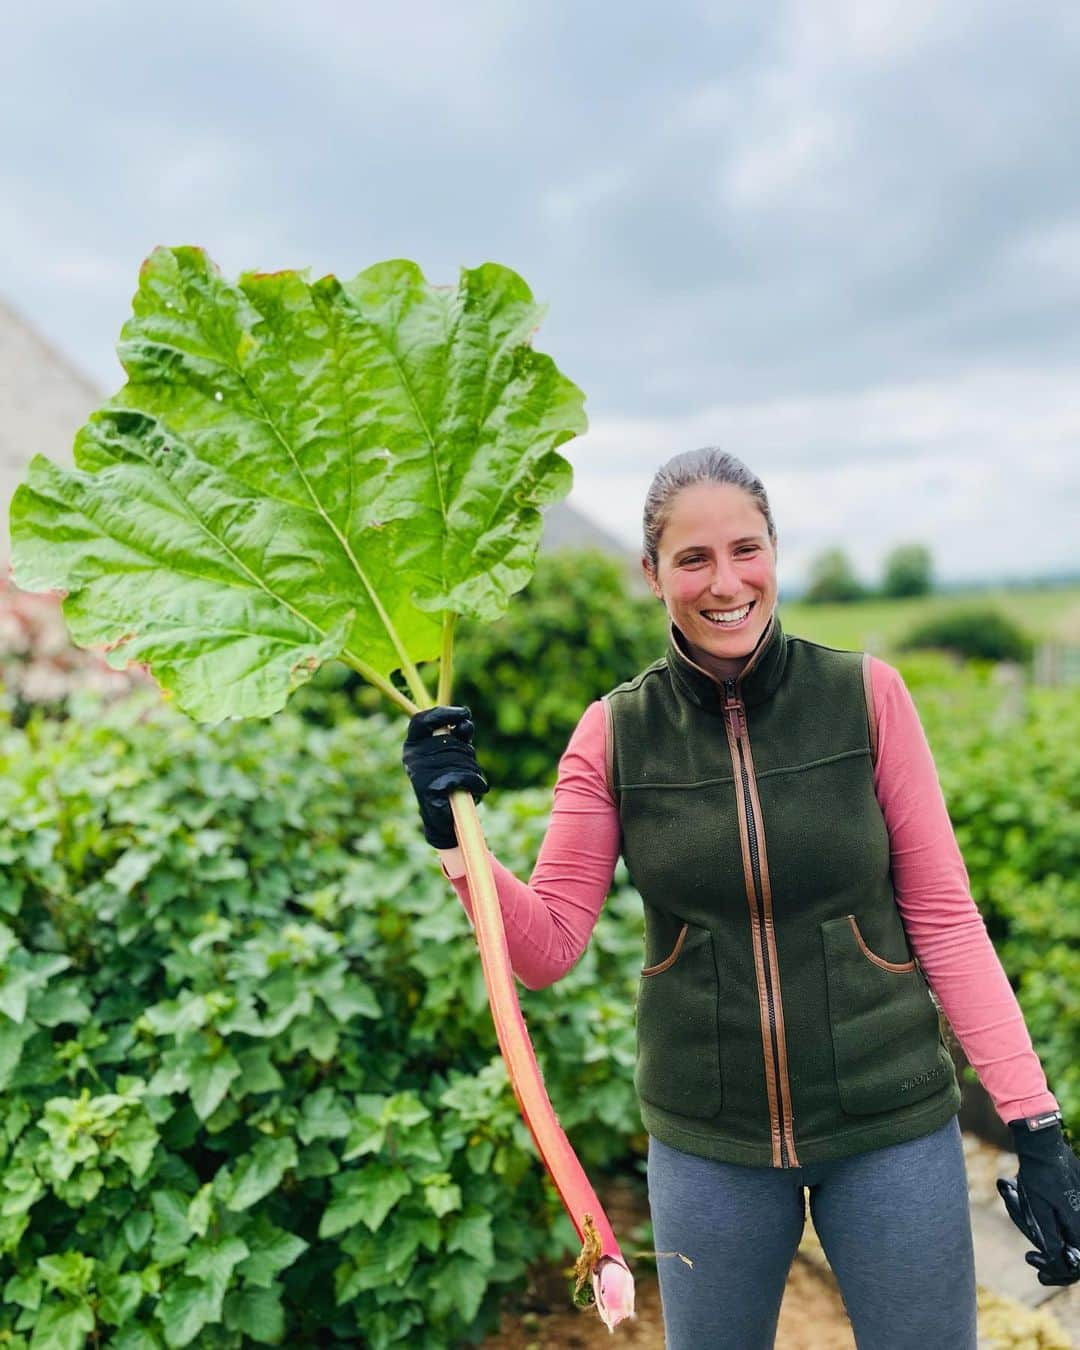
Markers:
point(694, 558)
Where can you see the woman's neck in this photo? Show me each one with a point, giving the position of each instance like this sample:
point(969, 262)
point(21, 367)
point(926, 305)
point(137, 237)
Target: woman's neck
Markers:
point(720, 667)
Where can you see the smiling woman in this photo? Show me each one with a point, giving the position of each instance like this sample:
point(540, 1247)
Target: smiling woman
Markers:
point(711, 557)
point(807, 917)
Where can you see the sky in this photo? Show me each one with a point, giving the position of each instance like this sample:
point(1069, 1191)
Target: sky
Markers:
point(841, 241)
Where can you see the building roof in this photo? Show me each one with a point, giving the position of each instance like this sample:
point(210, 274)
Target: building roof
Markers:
point(44, 400)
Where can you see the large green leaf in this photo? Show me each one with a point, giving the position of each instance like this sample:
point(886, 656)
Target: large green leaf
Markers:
point(298, 471)
point(260, 1172)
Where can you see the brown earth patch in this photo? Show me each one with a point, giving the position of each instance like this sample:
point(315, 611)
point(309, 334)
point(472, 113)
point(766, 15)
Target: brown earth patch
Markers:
point(541, 1316)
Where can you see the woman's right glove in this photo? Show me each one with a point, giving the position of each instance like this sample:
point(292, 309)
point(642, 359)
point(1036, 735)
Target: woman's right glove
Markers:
point(437, 765)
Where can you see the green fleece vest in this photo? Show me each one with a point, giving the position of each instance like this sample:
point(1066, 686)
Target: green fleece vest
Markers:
point(781, 1017)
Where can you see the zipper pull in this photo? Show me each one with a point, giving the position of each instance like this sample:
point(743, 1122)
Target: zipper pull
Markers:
point(734, 708)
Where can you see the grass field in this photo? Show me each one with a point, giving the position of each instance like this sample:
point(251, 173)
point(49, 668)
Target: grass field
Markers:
point(1049, 614)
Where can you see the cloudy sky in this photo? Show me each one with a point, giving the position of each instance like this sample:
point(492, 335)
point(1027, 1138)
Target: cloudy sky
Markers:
point(841, 240)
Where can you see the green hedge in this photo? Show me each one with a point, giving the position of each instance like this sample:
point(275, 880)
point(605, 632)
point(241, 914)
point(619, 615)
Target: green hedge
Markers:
point(1008, 758)
point(251, 1089)
point(979, 632)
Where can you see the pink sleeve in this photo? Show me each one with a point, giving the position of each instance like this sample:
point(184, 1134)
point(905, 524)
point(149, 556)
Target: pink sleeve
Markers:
point(944, 927)
point(548, 922)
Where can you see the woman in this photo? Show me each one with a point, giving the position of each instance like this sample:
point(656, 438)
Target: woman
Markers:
point(779, 812)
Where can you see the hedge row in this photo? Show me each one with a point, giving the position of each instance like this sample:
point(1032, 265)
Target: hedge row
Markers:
point(251, 1092)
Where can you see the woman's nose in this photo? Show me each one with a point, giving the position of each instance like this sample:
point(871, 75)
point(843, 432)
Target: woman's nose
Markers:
point(725, 580)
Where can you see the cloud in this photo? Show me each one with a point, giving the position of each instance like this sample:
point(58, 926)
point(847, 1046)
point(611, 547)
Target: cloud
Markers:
point(791, 159)
point(983, 470)
point(843, 238)
point(569, 203)
point(1003, 413)
point(195, 171)
point(391, 59)
point(86, 270)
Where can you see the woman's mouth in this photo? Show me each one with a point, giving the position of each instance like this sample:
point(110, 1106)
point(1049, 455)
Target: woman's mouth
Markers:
point(728, 618)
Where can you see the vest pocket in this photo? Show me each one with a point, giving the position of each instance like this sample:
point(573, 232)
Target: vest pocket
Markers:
point(886, 1034)
point(678, 1037)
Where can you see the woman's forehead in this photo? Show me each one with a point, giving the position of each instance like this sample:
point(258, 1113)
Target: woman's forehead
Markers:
point(718, 509)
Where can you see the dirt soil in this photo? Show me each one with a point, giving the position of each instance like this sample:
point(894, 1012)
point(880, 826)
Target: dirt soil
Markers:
point(541, 1315)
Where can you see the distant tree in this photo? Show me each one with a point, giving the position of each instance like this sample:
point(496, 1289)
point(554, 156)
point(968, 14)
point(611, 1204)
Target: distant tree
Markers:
point(833, 580)
point(908, 571)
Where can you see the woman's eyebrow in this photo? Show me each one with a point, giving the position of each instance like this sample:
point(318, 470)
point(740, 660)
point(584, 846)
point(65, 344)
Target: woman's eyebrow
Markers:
point(704, 548)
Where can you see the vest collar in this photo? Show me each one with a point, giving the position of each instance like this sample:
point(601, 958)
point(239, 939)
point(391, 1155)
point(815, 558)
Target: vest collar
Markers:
point(755, 683)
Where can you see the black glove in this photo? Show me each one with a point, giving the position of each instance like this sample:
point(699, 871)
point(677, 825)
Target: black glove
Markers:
point(439, 764)
point(1045, 1201)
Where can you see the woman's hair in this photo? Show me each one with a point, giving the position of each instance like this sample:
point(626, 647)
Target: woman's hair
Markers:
point(708, 465)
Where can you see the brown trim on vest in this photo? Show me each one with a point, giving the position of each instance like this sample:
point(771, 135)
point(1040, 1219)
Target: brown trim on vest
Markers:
point(898, 966)
point(609, 746)
point(871, 711)
point(663, 965)
point(773, 1071)
point(774, 960)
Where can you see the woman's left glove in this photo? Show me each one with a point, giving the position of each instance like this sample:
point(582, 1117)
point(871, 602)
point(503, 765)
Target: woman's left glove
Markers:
point(437, 765)
point(1045, 1201)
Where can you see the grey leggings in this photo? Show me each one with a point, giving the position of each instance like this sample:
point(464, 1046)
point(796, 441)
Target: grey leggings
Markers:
point(894, 1223)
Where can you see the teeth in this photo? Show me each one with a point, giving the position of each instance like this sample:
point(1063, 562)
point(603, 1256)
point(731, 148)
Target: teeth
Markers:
point(727, 615)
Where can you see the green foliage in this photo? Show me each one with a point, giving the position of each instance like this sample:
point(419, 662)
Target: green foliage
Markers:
point(908, 572)
point(1009, 764)
point(977, 631)
point(833, 580)
point(572, 634)
point(251, 1089)
point(299, 471)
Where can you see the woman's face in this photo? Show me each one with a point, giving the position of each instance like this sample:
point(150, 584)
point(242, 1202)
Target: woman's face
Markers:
point(715, 557)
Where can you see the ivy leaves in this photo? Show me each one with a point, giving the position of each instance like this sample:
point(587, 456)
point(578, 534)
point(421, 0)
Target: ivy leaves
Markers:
point(256, 1096)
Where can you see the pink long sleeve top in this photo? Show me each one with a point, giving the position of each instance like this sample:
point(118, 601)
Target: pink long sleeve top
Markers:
point(548, 922)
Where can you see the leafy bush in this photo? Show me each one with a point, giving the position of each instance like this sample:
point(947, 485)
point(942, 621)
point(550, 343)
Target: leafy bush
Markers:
point(1010, 772)
point(1042, 951)
point(976, 631)
point(251, 1089)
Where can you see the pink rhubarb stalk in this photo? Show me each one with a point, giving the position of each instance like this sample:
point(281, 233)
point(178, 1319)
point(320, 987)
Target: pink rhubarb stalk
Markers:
point(600, 1258)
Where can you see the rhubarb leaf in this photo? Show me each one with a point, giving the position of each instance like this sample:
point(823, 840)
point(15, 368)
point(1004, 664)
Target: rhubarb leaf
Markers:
point(298, 471)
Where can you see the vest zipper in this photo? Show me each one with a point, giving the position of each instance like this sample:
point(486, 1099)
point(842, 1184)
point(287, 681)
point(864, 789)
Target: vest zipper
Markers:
point(753, 837)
